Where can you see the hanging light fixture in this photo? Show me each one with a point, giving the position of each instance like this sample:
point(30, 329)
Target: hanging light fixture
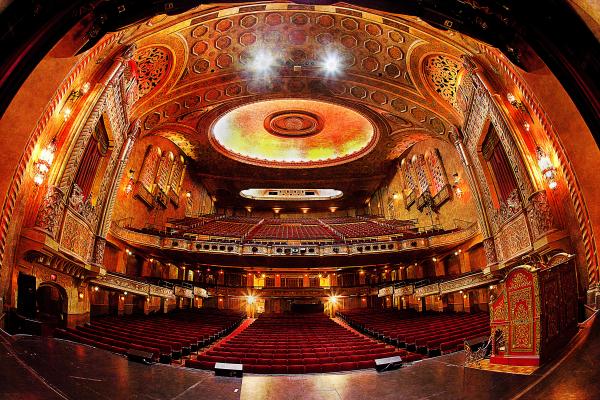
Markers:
point(44, 162)
point(546, 167)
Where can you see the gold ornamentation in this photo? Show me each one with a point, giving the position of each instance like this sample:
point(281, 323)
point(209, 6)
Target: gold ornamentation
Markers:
point(442, 72)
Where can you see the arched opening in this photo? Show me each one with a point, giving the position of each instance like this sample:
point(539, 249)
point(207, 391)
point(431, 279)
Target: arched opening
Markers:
point(52, 302)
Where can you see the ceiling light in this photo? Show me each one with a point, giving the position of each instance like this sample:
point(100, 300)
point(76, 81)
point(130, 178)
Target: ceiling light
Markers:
point(262, 62)
point(331, 63)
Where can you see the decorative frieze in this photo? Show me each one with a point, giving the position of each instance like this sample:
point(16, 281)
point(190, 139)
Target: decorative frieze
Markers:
point(124, 284)
point(76, 237)
point(160, 291)
point(428, 290)
point(51, 211)
point(183, 292)
point(490, 250)
point(386, 291)
point(507, 211)
point(404, 290)
point(540, 215)
point(200, 292)
point(466, 282)
point(513, 239)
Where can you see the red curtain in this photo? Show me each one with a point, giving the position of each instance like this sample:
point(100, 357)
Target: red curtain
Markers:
point(88, 167)
point(505, 178)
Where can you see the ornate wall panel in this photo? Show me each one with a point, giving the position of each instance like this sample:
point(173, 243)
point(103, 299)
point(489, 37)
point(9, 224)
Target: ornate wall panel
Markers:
point(149, 167)
point(442, 72)
point(153, 65)
point(76, 237)
point(513, 239)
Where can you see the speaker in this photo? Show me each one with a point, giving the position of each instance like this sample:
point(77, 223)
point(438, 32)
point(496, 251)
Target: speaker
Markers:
point(384, 364)
point(140, 356)
point(226, 369)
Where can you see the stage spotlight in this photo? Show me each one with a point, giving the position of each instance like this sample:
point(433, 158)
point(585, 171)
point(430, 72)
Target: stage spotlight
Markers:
point(250, 299)
point(333, 299)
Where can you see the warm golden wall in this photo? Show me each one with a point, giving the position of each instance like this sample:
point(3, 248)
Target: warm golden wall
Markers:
point(130, 208)
point(456, 208)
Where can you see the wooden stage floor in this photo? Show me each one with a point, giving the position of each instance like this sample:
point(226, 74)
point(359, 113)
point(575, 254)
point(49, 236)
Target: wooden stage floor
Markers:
point(46, 368)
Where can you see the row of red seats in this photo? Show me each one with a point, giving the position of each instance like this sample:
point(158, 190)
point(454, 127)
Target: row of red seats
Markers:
point(365, 229)
point(428, 334)
point(298, 344)
point(166, 337)
point(284, 231)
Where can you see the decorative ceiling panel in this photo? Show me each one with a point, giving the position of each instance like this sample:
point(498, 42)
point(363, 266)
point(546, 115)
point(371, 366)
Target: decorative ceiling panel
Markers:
point(204, 70)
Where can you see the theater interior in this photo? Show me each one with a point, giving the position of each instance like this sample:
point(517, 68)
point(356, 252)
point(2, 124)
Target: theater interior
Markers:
point(301, 199)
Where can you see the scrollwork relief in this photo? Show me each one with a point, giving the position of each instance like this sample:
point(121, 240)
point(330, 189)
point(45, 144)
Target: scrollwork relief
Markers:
point(51, 210)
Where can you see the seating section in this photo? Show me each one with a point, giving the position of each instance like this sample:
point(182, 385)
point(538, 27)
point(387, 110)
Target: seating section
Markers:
point(430, 334)
point(167, 337)
point(292, 231)
point(336, 229)
point(295, 344)
point(364, 229)
point(224, 228)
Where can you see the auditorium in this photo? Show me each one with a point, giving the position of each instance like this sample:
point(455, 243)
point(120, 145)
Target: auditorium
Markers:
point(302, 199)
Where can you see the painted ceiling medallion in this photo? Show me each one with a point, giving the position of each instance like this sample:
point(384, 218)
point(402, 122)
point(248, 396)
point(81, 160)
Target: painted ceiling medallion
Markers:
point(293, 133)
point(295, 123)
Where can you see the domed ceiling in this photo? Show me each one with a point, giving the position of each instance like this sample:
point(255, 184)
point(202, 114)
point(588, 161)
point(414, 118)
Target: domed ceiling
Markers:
point(295, 124)
point(293, 133)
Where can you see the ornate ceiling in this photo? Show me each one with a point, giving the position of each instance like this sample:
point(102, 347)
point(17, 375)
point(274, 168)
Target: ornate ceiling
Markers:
point(293, 133)
point(395, 87)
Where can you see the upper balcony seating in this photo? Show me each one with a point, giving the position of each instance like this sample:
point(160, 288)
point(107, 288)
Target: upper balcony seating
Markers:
point(359, 229)
point(431, 333)
point(287, 231)
point(295, 344)
point(322, 230)
point(167, 337)
point(224, 228)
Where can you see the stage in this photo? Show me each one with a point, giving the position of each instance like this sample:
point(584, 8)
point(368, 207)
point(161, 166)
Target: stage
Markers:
point(47, 368)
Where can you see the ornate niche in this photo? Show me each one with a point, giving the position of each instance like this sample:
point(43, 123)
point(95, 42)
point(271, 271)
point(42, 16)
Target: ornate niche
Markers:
point(425, 180)
point(534, 312)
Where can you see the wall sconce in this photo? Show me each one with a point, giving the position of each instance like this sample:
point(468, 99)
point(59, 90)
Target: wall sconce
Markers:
point(80, 295)
point(304, 210)
point(333, 209)
point(74, 95)
point(130, 183)
point(396, 196)
point(546, 167)
point(188, 194)
point(517, 104)
point(44, 162)
point(456, 186)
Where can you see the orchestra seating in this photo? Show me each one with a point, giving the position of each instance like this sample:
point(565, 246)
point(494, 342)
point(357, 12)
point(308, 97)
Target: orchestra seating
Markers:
point(430, 333)
point(167, 337)
point(298, 343)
